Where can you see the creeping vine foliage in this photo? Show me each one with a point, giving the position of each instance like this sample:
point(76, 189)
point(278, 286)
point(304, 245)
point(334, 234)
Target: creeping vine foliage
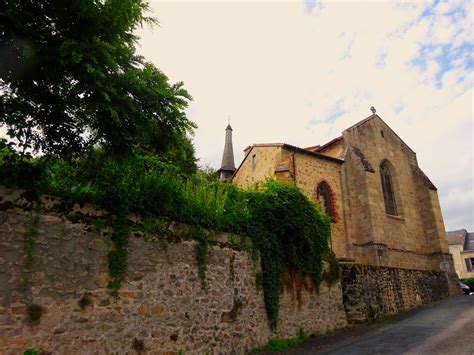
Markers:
point(118, 255)
point(291, 234)
point(31, 233)
point(201, 253)
point(286, 230)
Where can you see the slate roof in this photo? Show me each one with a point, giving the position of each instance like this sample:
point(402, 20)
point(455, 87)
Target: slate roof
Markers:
point(457, 237)
point(228, 155)
point(328, 144)
point(469, 243)
point(363, 160)
point(426, 181)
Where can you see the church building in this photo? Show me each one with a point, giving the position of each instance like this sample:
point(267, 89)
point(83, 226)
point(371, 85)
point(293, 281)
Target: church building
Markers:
point(384, 210)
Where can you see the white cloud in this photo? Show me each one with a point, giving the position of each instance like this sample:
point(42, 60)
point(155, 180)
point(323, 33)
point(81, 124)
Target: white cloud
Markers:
point(275, 68)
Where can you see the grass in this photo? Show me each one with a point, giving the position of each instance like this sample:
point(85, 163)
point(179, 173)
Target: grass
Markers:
point(283, 344)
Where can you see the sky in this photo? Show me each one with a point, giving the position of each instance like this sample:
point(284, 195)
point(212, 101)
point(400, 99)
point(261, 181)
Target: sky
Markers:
point(300, 72)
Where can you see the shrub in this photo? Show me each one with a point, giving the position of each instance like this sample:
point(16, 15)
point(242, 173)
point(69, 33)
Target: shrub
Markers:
point(469, 282)
point(84, 301)
point(138, 345)
point(282, 344)
point(287, 230)
point(34, 313)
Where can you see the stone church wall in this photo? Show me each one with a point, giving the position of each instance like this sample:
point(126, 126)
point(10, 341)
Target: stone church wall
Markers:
point(253, 171)
point(161, 302)
point(310, 171)
point(414, 238)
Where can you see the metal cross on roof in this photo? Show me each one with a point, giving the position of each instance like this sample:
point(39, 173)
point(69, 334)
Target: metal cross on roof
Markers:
point(372, 108)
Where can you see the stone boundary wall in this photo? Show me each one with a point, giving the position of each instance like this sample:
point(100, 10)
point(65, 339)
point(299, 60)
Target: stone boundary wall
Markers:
point(371, 292)
point(161, 301)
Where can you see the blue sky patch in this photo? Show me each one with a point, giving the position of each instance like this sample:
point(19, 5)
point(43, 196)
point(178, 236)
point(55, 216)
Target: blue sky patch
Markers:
point(311, 4)
point(331, 115)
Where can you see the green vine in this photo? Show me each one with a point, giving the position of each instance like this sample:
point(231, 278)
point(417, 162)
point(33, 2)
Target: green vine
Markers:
point(117, 256)
point(31, 233)
point(288, 233)
point(291, 235)
point(85, 301)
point(201, 253)
point(231, 267)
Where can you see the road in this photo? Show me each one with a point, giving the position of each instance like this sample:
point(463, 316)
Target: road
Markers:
point(444, 328)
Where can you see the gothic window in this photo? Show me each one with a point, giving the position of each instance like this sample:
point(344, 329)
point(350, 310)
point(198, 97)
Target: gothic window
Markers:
point(387, 188)
point(324, 196)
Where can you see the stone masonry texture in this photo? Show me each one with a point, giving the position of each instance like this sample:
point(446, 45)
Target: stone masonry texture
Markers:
point(371, 292)
point(161, 302)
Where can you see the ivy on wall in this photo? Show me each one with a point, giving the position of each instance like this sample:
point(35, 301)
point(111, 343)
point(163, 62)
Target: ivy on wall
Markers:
point(117, 256)
point(291, 234)
point(201, 253)
point(31, 233)
point(288, 232)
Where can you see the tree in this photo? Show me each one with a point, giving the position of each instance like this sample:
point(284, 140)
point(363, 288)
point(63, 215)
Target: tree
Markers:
point(70, 79)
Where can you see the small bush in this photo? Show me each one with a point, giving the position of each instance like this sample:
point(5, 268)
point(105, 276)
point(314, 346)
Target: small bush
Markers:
point(34, 313)
point(30, 351)
point(138, 345)
point(283, 344)
point(373, 312)
point(469, 282)
point(84, 301)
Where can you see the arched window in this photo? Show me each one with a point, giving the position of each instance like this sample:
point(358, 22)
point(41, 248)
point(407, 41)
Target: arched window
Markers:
point(324, 196)
point(387, 188)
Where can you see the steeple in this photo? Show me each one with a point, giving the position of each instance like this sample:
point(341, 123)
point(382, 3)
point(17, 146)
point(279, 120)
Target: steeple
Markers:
point(227, 168)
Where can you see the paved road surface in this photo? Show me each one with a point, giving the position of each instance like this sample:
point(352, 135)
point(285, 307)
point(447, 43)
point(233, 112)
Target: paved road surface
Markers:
point(445, 328)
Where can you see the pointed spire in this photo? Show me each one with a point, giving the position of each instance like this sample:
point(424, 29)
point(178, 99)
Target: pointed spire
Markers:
point(227, 168)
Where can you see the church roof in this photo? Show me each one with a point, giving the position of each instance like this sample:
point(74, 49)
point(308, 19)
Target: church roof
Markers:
point(363, 121)
point(377, 116)
point(228, 163)
point(288, 147)
point(313, 148)
point(299, 150)
point(363, 160)
point(426, 180)
point(318, 151)
point(328, 144)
